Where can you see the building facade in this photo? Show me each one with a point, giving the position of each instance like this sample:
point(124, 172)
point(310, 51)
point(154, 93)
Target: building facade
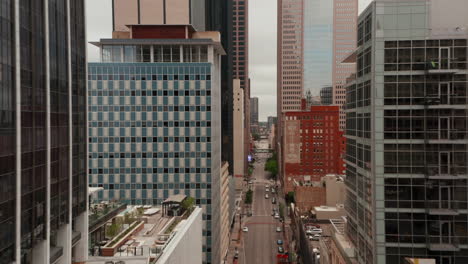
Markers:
point(43, 193)
point(155, 127)
point(225, 194)
point(345, 14)
point(406, 129)
point(318, 45)
point(314, 145)
point(206, 15)
point(239, 153)
point(290, 55)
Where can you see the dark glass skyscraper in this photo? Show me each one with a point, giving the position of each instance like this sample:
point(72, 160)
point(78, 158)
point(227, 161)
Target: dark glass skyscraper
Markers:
point(219, 18)
point(42, 136)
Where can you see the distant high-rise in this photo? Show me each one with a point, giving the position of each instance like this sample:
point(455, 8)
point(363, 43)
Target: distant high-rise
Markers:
point(254, 110)
point(43, 182)
point(318, 44)
point(290, 55)
point(345, 14)
point(407, 134)
point(326, 95)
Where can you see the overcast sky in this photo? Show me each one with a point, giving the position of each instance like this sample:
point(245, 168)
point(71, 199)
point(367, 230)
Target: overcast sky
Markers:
point(262, 45)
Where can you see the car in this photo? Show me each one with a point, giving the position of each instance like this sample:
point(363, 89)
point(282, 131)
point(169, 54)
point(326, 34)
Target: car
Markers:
point(272, 190)
point(266, 196)
point(277, 216)
point(280, 250)
point(245, 229)
point(250, 182)
point(267, 190)
point(315, 237)
point(316, 231)
point(273, 201)
point(267, 186)
point(278, 229)
point(279, 242)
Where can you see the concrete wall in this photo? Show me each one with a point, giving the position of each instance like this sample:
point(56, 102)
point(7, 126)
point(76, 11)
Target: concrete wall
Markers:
point(185, 247)
point(449, 20)
point(125, 12)
point(152, 11)
point(335, 189)
point(307, 197)
point(238, 125)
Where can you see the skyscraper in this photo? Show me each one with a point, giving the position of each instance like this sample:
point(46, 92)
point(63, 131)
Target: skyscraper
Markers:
point(254, 110)
point(43, 184)
point(318, 45)
point(345, 14)
point(290, 56)
point(406, 129)
point(219, 17)
point(155, 127)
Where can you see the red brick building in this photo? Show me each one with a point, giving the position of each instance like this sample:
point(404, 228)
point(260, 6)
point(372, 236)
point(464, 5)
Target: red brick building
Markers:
point(313, 145)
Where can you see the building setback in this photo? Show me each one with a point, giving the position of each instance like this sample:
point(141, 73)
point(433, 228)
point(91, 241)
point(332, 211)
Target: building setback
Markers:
point(43, 184)
point(155, 127)
point(406, 130)
point(314, 145)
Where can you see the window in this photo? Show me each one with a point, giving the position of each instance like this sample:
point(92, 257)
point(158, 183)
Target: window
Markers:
point(129, 53)
point(143, 53)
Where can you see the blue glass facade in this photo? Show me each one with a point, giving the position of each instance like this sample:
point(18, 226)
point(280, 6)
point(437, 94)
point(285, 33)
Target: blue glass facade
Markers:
point(318, 45)
point(150, 133)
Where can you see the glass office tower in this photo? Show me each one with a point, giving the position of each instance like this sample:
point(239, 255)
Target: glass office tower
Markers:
point(43, 188)
point(407, 136)
point(318, 45)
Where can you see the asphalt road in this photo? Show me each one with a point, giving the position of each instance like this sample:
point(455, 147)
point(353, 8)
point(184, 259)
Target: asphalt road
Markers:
point(259, 243)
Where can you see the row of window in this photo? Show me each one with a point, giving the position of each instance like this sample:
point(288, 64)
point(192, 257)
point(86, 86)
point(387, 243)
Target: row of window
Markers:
point(148, 170)
point(150, 93)
point(154, 77)
point(154, 53)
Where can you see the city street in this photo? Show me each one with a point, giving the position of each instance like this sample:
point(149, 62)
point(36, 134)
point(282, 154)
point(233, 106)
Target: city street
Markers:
point(260, 242)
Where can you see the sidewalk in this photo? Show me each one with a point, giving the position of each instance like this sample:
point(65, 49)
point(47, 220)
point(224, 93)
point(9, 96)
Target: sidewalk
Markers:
point(236, 233)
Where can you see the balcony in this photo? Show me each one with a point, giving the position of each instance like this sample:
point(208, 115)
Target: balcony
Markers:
point(443, 243)
point(55, 253)
point(443, 207)
point(452, 171)
point(443, 66)
point(99, 214)
point(76, 236)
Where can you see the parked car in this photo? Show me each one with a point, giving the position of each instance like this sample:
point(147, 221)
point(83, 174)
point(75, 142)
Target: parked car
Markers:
point(280, 250)
point(273, 201)
point(316, 231)
point(266, 196)
point(267, 190)
point(245, 229)
point(278, 229)
point(277, 216)
point(315, 237)
point(279, 242)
